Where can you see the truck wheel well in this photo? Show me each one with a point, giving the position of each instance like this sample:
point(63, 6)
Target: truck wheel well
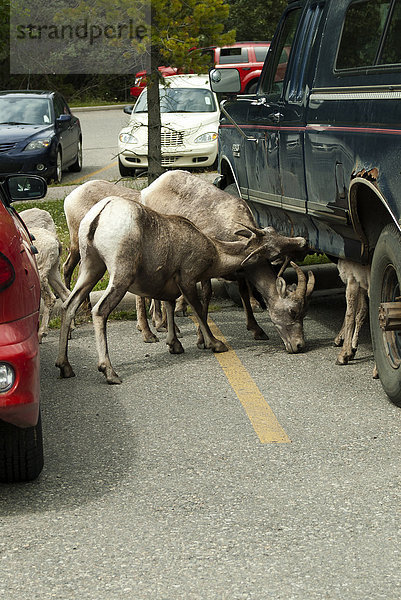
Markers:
point(225, 170)
point(369, 214)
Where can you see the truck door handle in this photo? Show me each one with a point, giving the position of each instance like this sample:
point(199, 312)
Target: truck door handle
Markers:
point(275, 117)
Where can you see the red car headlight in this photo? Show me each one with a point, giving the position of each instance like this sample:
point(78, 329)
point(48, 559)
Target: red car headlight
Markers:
point(7, 377)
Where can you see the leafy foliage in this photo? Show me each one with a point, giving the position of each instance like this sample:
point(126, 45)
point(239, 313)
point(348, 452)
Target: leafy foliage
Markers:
point(256, 20)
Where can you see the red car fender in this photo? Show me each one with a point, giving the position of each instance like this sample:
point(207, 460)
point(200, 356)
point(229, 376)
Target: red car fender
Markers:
point(19, 348)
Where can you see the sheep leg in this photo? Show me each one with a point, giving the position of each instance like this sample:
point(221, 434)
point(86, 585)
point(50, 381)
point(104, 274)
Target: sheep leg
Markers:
point(210, 341)
point(69, 265)
point(57, 284)
point(339, 339)
point(251, 323)
point(49, 300)
point(86, 281)
point(112, 296)
point(351, 296)
point(361, 312)
point(206, 294)
point(175, 346)
point(142, 321)
point(158, 318)
point(181, 307)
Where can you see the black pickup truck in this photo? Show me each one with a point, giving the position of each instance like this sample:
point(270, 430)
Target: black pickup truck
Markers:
point(317, 150)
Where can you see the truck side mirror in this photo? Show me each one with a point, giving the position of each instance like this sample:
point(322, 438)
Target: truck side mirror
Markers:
point(225, 81)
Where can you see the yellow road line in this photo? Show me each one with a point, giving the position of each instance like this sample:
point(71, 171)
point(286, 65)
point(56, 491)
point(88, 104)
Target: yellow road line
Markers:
point(112, 164)
point(263, 419)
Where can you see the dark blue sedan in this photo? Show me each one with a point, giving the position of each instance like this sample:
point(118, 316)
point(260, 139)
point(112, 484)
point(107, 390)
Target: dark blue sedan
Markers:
point(38, 134)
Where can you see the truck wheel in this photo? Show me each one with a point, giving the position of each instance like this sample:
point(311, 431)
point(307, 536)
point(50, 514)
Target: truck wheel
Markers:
point(21, 452)
point(385, 286)
point(253, 87)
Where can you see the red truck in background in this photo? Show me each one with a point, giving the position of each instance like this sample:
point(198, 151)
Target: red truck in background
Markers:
point(247, 57)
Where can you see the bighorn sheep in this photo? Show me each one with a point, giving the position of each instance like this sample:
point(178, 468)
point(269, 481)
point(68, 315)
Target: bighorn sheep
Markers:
point(357, 281)
point(160, 256)
point(77, 204)
point(218, 214)
point(43, 230)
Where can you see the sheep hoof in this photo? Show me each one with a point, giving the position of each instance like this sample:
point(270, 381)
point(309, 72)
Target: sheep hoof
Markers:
point(342, 361)
point(150, 339)
point(260, 335)
point(220, 347)
point(176, 348)
point(113, 379)
point(66, 371)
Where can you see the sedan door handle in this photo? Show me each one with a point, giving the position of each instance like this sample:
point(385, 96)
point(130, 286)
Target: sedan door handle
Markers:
point(275, 117)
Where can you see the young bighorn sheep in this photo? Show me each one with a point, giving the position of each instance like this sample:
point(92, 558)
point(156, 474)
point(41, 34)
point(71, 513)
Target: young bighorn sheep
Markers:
point(43, 230)
point(357, 281)
point(149, 254)
point(217, 214)
point(77, 204)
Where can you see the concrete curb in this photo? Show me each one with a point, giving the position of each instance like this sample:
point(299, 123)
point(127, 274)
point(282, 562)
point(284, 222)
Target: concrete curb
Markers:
point(106, 107)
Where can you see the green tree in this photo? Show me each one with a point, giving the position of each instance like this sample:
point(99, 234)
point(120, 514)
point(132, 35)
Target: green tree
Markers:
point(256, 20)
point(176, 27)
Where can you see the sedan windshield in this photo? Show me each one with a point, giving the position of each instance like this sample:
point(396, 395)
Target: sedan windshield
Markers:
point(179, 100)
point(24, 111)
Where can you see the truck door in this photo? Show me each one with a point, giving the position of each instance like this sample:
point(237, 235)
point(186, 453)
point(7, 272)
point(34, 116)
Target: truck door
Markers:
point(264, 118)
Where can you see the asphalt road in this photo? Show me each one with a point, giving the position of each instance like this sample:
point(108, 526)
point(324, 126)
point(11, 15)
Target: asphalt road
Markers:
point(253, 474)
point(161, 488)
point(100, 129)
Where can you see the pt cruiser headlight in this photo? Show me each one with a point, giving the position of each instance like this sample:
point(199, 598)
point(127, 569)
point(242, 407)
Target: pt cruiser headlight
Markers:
point(206, 137)
point(38, 144)
point(127, 138)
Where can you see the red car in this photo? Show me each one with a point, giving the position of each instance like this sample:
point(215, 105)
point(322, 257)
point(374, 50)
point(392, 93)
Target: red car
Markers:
point(247, 57)
point(21, 449)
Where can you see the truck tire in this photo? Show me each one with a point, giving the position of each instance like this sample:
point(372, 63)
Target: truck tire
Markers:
point(385, 286)
point(21, 452)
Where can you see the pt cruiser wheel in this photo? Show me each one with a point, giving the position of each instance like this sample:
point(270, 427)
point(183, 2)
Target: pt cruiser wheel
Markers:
point(385, 310)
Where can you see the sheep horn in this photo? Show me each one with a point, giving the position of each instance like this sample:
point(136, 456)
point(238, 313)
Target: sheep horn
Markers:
point(258, 232)
point(300, 292)
point(283, 266)
point(311, 283)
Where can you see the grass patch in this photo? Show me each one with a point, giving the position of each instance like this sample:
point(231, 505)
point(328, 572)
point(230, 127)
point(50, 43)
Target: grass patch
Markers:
point(315, 259)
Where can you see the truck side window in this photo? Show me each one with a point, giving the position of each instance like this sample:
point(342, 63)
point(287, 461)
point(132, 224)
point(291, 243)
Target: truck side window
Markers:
point(273, 79)
point(363, 28)
point(391, 52)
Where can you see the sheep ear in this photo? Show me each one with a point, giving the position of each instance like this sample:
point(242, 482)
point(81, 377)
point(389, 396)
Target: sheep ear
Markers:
point(281, 287)
point(243, 233)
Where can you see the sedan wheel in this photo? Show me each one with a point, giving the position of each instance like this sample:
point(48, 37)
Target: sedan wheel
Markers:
point(77, 165)
point(59, 170)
